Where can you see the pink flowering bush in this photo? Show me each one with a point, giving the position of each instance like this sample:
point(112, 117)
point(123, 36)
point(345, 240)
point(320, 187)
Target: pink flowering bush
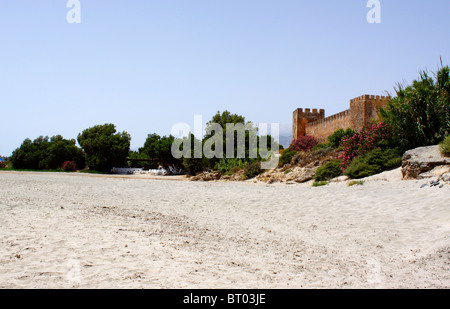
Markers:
point(69, 166)
point(304, 143)
point(369, 138)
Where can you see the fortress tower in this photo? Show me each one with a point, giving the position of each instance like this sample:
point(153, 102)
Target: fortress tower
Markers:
point(362, 111)
point(302, 118)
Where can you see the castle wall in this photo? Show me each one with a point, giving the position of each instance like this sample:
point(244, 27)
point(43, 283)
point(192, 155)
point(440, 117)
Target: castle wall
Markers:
point(363, 110)
point(322, 128)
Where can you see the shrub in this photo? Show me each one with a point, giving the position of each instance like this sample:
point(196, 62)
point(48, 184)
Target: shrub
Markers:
point(2, 164)
point(328, 171)
point(230, 166)
point(444, 147)
point(420, 113)
point(372, 137)
point(252, 170)
point(286, 156)
point(319, 183)
point(69, 166)
point(194, 165)
point(334, 140)
point(355, 182)
point(304, 143)
point(323, 145)
point(374, 162)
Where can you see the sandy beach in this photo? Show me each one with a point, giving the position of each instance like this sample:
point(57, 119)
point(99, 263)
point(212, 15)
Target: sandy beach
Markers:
point(61, 230)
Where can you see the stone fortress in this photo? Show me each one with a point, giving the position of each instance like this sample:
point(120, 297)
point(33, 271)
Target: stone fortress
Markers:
point(362, 111)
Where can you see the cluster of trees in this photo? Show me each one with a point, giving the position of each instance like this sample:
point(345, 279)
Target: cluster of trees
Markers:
point(46, 153)
point(244, 151)
point(102, 148)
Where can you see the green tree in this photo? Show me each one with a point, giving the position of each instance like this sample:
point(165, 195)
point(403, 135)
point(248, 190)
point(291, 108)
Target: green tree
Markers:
point(61, 150)
point(45, 153)
point(420, 113)
point(157, 147)
point(104, 147)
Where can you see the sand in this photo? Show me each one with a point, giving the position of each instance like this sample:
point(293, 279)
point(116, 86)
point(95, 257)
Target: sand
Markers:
point(61, 230)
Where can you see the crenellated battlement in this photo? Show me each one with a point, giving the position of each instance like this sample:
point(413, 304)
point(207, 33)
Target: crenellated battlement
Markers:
point(308, 112)
point(325, 121)
point(367, 97)
point(362, 111)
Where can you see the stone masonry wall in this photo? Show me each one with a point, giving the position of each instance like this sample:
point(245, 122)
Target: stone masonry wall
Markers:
point(363, 110)
point(322, 128)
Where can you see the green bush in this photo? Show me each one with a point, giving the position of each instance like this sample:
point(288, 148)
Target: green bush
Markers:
point(323, 145)
point(374, 162)
point(420, 113)
point(319, 183)
point(2, 164)
point(252, 170)
point(444, 147)
point(328, 171)
point(286, 156)
point(230, 166)
point(334, 140)
point(355, 182)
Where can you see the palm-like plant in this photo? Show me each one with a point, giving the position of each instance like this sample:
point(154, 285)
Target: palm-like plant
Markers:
point(420, 113)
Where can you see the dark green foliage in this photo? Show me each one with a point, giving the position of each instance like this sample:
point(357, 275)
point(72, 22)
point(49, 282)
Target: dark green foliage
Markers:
point(44, 153)
point(141, 164)
point(323, 145)
point(444, 147)
point(222, 119)
point(420, 114)
point(230, 166)
point(374, 162)
point(241, 153)
point(319, 183)
point(328, 171)
point(190, 153)
point(335, 139)
point(286, 156)
point(252, 170)
point(157, 147)
point(104, 147)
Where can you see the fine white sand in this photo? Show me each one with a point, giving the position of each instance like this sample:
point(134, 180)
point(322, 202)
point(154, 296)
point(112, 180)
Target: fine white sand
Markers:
point(89, 231)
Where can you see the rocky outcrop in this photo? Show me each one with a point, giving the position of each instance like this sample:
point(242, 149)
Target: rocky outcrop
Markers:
point(301, 169)
point(295, 175)
point(206, 176)
point(420, 163)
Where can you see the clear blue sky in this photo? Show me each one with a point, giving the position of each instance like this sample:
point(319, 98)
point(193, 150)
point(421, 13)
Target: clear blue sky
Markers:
point(146, 64)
